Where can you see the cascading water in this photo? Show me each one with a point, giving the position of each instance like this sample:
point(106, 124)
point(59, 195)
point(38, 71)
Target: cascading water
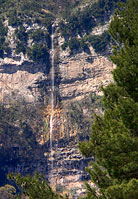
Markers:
point(52, 94)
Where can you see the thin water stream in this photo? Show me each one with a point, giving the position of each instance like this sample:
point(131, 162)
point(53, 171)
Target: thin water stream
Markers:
point(52, 94)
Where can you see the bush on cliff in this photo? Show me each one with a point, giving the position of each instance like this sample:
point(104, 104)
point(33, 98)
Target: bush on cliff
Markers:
point(38, 52)
point(83, 20)
point(34, 187)
point(3, 34)
point(114, 138)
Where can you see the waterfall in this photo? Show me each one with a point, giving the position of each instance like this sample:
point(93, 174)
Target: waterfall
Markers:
point(52, 94)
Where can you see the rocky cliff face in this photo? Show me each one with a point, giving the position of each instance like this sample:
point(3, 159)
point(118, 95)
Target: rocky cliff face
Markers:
point(80, 74)
point(68, 171)
point(77, 75)
point(83, 74)
point(19, 80)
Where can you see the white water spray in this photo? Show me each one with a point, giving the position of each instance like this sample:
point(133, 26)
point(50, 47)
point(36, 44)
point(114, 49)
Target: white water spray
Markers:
point(52, 94)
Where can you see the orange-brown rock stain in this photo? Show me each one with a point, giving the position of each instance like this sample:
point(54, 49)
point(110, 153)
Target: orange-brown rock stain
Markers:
point(58, 125)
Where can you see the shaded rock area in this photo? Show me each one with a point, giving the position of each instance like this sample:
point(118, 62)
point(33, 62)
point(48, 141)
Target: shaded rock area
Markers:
point(68, 171)
point(65, 169)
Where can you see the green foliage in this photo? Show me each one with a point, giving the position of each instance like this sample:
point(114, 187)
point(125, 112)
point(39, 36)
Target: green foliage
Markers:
point(7, 192)
point(125, 33)
point(43, 13)
point(114, 138)
point(40, 49)
point(14, 20)
point(41, 36)
point(38, 53)
point(83, 44)
point(37, 35)
point(3, 30)
point(3, 33)
point(21, 33)
point(19, 127)
point(123, 190)
point(99, 42)
point(22, 37)
point(20, 47)
point(64, 46)
point(74, 44)
point(45, 125)
point(83, 21)
point(87, 18)
point(19, 13)
point(34, 187)
point(81, 114)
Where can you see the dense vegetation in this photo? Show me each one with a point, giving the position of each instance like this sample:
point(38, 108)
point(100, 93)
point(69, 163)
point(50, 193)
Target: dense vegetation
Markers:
point(34, 187)
point(35, 42)
point(83, 21)
point(114, 137)
point(19, 125)
point(3, 34)
point(87, 18)
point(81, 114)
point(100, 43)
point(22, 16)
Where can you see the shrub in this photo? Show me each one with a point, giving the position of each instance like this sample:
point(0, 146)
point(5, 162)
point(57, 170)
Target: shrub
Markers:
point(3, 33)
point(99, 42)
point(64, 46)
point(38, 53)
point(20, 47)
point(74, 44)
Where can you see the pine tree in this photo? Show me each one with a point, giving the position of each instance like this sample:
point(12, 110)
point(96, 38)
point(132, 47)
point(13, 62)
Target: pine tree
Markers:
point(114, 137)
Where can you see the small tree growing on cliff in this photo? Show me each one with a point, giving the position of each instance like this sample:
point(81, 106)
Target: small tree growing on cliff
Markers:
point(114, 138)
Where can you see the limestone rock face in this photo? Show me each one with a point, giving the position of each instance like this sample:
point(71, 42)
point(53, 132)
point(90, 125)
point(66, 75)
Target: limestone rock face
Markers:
point(84, 74)
point(68, 171)
point(19, 80)
point(20, 77)
point(78, 74)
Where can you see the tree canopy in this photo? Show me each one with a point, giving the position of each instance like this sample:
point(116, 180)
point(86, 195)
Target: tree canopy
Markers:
point(114, 137)
point(34, 187)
